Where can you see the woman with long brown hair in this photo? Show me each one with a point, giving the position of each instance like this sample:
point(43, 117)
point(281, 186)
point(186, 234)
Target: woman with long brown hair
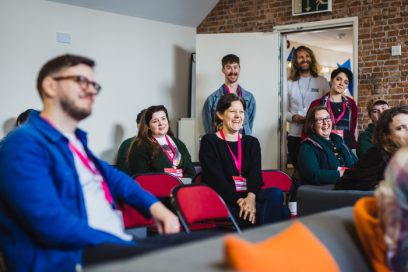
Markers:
point(390, 134)
point(156, 150)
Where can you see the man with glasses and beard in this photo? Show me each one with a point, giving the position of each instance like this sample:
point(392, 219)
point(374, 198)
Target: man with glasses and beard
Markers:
point(57, 200)
point(231, 69)
point(304, 86)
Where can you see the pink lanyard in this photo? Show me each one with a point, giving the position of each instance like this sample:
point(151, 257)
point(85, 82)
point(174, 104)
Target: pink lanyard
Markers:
point(94, 171)
point(165, 151)
point(86, 163)
point(341, 115)
point(238, 163)
point(239, 90)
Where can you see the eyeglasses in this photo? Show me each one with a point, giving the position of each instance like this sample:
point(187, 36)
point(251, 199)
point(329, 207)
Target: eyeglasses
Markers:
point(82, 81)
point(320, 120)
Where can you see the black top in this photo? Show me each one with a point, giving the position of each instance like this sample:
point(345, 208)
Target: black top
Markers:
point(219, 167)
point(367, 172)
point(344, 123)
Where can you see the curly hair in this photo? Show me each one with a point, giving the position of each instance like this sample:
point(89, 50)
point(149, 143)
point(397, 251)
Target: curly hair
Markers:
point(294, 73)
point(382, 129)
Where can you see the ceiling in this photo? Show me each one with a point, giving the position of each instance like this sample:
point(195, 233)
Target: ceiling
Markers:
point(327, 39)
point(179, 12)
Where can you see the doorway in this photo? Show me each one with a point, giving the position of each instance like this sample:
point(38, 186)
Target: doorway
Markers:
point(264, 74)
point(338, 37)
point(332, 47)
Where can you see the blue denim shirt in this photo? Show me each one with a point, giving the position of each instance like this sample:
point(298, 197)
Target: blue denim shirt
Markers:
point(43, 219)
point(210, 106)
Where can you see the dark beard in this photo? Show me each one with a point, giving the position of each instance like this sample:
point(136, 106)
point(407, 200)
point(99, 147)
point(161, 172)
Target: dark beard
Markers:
point(73, 111)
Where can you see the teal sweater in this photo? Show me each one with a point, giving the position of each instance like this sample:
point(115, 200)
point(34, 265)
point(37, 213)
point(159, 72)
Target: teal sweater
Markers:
point(140, 161)
point(365, 141)
point(309, 164)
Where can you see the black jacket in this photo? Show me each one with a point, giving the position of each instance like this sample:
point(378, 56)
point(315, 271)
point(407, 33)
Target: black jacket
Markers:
point(367, 172)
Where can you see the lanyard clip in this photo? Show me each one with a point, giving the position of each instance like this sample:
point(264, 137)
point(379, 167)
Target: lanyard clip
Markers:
point(240, 175)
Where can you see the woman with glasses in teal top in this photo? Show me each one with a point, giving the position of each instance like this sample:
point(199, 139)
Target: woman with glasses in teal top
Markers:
point(324, 156)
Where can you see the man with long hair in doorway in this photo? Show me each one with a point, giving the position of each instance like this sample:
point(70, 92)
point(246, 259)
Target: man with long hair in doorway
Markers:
point(304, 86)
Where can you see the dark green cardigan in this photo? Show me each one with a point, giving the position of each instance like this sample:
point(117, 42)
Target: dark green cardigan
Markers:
point(141, 162)
point(365, 141)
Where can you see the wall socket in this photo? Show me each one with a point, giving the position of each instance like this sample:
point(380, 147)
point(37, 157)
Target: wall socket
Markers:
point(396, 50)
point(63, 37)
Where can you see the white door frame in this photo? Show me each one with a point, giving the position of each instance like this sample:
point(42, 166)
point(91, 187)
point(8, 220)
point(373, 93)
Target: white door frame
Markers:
point(302, 27)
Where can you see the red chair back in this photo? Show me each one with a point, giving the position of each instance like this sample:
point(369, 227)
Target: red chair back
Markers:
point(197, 178)
point(276, 178)
point(132, 218)
point(198, 202)
point(159, 184)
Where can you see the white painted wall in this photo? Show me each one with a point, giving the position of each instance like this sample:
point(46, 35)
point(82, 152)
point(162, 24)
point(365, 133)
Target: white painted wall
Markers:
point(139, 63)
point(258, 53)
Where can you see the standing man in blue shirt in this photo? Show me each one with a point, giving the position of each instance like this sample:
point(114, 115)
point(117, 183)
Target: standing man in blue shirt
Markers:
point(57, 200)
point(231, 69)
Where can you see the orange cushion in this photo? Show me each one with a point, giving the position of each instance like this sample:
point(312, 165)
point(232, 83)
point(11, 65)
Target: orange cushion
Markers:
point(294, 249)
point(370, 232)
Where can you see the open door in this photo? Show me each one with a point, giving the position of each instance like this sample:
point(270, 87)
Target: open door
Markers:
point(260, 75)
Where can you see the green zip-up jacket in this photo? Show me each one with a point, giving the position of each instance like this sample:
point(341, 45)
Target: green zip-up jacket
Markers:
point(365, 140)
point(141, 162)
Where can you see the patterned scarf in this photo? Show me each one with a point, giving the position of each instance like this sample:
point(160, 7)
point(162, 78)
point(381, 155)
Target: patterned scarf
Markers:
point(341, 148)
point(392, 196)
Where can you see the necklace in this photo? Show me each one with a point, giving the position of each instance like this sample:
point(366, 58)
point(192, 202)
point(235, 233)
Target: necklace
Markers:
point(338, 108)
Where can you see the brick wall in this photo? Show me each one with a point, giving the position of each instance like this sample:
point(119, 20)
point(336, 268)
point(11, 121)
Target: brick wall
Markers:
point(382, 24)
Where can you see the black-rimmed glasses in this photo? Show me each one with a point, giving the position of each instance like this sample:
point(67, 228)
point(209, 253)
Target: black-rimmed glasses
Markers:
point(320, 120)
point(82, 81)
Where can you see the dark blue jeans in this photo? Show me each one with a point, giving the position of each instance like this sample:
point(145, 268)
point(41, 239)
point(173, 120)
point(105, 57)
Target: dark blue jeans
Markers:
point(269, 208)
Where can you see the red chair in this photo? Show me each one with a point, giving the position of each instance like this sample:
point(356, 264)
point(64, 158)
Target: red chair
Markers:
point(198, 202)
point(159, 185)
point(279, 179)
point(132, 218)
point(197, 178)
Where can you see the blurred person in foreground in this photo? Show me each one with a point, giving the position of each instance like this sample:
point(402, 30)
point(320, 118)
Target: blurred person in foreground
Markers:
point(390, 134)
point(57, 200)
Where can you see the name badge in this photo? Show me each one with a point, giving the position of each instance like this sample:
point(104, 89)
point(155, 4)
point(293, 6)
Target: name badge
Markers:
point(240, 184)
point(178, 173)
point(302, 112)
point(342, 168)
point(339, 132)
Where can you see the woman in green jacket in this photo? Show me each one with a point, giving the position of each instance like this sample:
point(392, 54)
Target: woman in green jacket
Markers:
point(156, 150)
point(323, 157)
